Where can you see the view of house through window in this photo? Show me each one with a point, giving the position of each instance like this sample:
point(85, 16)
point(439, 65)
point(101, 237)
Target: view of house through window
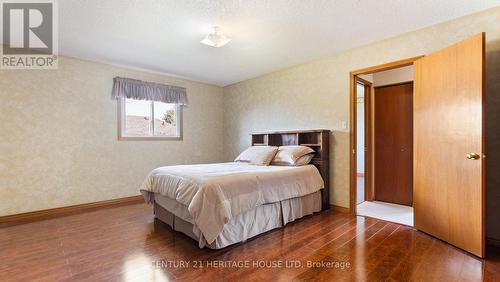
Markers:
point(142, 118)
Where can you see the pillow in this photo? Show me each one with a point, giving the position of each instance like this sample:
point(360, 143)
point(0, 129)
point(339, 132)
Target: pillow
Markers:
point(304, 160)
point(301, 161)
point(258, 155)
point(289, 155)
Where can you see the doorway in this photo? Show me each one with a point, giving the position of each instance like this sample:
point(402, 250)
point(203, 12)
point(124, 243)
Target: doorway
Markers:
point(448, 142)
point(384, 136)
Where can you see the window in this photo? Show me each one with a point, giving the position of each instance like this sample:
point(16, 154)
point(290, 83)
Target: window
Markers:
point(141, 119)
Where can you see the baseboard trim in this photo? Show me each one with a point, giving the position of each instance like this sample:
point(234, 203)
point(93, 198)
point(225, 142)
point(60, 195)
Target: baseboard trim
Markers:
point(16, 219)
point(340, 209)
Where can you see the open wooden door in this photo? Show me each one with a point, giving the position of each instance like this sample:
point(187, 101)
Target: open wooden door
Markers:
point(449, 145)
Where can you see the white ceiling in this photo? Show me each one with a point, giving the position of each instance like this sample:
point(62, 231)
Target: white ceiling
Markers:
point(164, 35)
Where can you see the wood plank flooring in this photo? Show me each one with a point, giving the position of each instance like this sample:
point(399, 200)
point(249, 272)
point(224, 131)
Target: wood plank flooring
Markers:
point(126, 244)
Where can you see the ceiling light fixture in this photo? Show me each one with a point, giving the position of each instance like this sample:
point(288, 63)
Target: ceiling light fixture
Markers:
point(215, 38)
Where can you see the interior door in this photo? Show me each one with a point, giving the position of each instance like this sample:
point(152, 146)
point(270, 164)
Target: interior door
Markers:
point(393, 144)
point(448, 145)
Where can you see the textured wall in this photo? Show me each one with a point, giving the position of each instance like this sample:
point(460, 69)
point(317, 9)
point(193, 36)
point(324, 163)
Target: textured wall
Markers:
point(58, 140)
point(316, 95)
point(398, 75)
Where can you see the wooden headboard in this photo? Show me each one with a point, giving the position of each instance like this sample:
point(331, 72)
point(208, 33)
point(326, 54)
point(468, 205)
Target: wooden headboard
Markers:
point(318, 140)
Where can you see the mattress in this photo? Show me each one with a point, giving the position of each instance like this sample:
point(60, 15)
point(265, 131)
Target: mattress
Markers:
point(214, 194)
point(241, 227)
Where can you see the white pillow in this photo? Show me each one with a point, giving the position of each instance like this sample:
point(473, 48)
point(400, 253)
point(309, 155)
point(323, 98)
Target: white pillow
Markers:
point(289, 155)
point(301, 161)
point(304, 160)
point(258, 155)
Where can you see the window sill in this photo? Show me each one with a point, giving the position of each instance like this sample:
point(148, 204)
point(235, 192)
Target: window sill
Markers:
point(149, 138)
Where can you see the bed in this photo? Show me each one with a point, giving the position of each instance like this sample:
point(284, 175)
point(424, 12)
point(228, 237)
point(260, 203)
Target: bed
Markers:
point(226, 203)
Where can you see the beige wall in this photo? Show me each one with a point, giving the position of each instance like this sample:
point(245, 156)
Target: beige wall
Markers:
point(58, 140)
point(393, 76)
point(316, 94)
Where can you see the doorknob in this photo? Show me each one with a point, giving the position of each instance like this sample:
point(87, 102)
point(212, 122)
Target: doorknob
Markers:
point(473, 156)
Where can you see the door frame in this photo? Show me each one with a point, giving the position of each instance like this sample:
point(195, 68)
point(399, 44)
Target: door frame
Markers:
point(353, 80)
point(367, 104)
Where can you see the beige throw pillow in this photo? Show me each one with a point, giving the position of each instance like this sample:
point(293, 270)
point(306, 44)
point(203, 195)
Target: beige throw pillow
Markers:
point(258, 155)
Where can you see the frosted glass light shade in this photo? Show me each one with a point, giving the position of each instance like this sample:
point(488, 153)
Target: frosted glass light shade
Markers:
point(215, 38)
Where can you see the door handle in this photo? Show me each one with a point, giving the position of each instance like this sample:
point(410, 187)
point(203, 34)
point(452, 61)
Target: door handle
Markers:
point(473, 156)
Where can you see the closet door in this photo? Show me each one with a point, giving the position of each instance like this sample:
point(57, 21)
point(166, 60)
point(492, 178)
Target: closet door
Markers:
point(393, 144)
point(449, 145)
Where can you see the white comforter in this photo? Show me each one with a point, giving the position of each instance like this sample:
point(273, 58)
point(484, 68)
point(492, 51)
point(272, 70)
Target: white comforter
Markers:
point(214, 193)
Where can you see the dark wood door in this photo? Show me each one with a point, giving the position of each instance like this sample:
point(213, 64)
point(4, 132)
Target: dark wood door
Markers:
point(394, 143)
point(449, 144)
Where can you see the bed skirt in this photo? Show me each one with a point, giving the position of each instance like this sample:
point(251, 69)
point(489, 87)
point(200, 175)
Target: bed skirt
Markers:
point(241, 227)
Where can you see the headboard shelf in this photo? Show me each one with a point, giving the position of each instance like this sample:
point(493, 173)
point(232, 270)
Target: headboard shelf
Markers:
point(316, 139)
point(292, 131)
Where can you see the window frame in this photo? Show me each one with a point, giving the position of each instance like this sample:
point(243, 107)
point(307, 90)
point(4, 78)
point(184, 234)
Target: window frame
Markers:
point(122, 136)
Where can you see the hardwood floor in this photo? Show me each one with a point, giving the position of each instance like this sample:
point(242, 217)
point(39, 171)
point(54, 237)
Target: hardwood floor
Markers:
point(126, 244)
